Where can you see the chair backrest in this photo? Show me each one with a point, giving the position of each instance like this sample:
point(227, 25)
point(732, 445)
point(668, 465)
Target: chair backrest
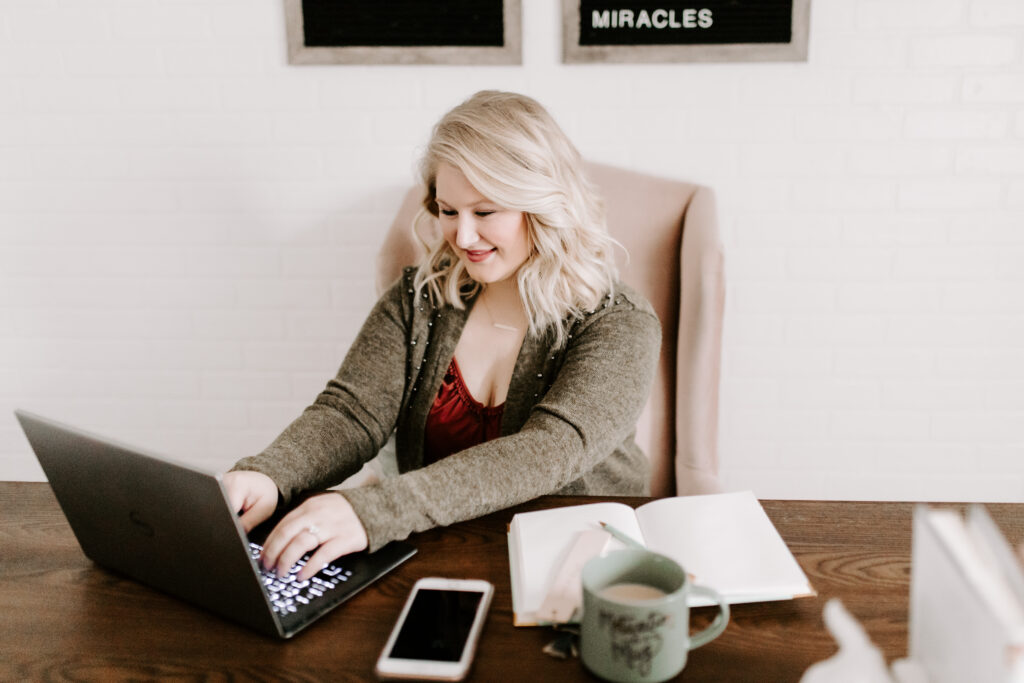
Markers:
point(670, 232)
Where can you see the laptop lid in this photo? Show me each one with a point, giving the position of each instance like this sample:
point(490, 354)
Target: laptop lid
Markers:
point(170, 526)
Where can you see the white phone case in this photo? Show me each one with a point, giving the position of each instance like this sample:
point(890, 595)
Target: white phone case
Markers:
point(424, 669)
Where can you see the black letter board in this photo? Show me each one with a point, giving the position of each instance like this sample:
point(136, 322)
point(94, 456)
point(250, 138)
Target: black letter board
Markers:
point(402, 23)
point(403, 31)
point(701, 22)
point(691, 30)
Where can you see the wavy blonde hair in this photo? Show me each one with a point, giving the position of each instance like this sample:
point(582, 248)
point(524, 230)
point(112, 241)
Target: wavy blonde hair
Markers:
point(512, 152)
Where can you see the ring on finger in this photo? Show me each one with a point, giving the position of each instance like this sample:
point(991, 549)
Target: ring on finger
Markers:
point(313, 531)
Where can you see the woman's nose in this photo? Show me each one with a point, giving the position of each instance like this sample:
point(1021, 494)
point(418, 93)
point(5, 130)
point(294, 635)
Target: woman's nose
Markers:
point(466, 235)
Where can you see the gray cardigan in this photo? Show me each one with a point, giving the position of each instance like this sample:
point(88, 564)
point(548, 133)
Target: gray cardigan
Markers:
point(567, 427)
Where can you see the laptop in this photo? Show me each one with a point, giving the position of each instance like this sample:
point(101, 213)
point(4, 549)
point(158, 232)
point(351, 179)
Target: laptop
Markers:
point(171, 527)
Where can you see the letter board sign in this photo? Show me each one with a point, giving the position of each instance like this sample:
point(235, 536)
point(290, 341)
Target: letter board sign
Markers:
point(403, 31)
point(692, 30)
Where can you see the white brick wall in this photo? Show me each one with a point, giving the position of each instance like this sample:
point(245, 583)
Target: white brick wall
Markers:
point(188, 227)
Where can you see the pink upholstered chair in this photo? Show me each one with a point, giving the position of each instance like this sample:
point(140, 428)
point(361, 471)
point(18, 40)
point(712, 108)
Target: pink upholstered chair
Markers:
point(670, 231)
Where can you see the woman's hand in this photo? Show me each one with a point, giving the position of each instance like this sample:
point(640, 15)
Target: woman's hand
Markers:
point(252, 494)
point(326, 524)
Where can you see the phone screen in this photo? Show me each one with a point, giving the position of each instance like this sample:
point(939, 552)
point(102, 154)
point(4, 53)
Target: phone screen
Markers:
point(437, 625)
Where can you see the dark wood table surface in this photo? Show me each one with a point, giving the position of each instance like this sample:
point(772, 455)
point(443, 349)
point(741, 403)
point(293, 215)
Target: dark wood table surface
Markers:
point(64, 618)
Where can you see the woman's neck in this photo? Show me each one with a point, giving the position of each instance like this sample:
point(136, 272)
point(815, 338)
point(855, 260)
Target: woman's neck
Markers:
point(504, 306)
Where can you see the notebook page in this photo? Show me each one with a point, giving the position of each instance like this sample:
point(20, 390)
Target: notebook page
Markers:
point(953, 631)
point(728, 543)
point(993, 545)
point(979, 569)
point(539, 542)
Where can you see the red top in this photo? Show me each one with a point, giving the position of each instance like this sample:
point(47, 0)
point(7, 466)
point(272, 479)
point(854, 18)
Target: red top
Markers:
point(457, 420)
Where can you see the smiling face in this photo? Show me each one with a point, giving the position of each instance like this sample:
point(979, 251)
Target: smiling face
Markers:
point(491, 241)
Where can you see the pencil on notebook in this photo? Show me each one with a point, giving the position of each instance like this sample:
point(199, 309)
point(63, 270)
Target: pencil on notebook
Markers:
point(633, 543)
point(628, 540)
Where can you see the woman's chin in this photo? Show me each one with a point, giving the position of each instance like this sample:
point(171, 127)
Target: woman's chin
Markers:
point(483, 273)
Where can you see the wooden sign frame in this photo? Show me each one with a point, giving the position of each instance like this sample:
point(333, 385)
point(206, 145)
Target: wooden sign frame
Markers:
point(793, 51)
point(509, 53)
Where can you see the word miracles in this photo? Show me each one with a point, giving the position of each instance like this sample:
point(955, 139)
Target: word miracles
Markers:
point(657, 18)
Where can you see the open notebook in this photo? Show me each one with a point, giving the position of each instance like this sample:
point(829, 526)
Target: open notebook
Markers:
point(725, 541)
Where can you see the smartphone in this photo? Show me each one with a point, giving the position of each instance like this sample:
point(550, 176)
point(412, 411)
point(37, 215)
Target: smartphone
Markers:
point(437, 632)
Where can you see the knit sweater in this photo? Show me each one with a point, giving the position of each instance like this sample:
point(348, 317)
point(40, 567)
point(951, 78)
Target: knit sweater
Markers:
point(568, 424)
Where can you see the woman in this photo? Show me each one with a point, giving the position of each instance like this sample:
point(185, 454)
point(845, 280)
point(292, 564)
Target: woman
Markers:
point(510, 363)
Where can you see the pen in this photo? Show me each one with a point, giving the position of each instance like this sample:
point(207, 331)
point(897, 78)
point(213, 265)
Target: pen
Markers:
point(628, 540)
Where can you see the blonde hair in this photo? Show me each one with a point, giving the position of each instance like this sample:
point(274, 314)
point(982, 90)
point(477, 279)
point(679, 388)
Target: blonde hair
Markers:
point(512, 151)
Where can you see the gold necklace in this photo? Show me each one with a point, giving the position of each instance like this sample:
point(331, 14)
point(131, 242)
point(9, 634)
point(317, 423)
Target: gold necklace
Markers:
point(500, 326)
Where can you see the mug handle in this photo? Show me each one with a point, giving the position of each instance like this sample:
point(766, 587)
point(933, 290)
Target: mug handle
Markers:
point(718, 625)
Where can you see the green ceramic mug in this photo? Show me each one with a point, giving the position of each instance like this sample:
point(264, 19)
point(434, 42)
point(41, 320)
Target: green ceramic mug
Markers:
point(636, 617)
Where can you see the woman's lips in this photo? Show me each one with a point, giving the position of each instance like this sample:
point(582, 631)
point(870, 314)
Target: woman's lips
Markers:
point(478, 255)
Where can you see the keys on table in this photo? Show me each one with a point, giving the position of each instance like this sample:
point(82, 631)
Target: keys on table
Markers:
point(286, 593)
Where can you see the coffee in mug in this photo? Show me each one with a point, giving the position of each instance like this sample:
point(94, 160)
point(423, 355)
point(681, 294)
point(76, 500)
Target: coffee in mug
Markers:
point(631, 592)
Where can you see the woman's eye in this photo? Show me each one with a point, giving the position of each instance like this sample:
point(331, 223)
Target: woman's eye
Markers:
point(449, 212)
point(484, 214)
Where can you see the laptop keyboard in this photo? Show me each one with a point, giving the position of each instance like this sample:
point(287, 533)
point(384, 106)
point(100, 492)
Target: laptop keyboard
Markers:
point(288, 595)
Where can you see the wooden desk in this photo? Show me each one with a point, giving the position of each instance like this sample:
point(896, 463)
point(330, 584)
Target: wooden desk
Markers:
point(65, 618)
